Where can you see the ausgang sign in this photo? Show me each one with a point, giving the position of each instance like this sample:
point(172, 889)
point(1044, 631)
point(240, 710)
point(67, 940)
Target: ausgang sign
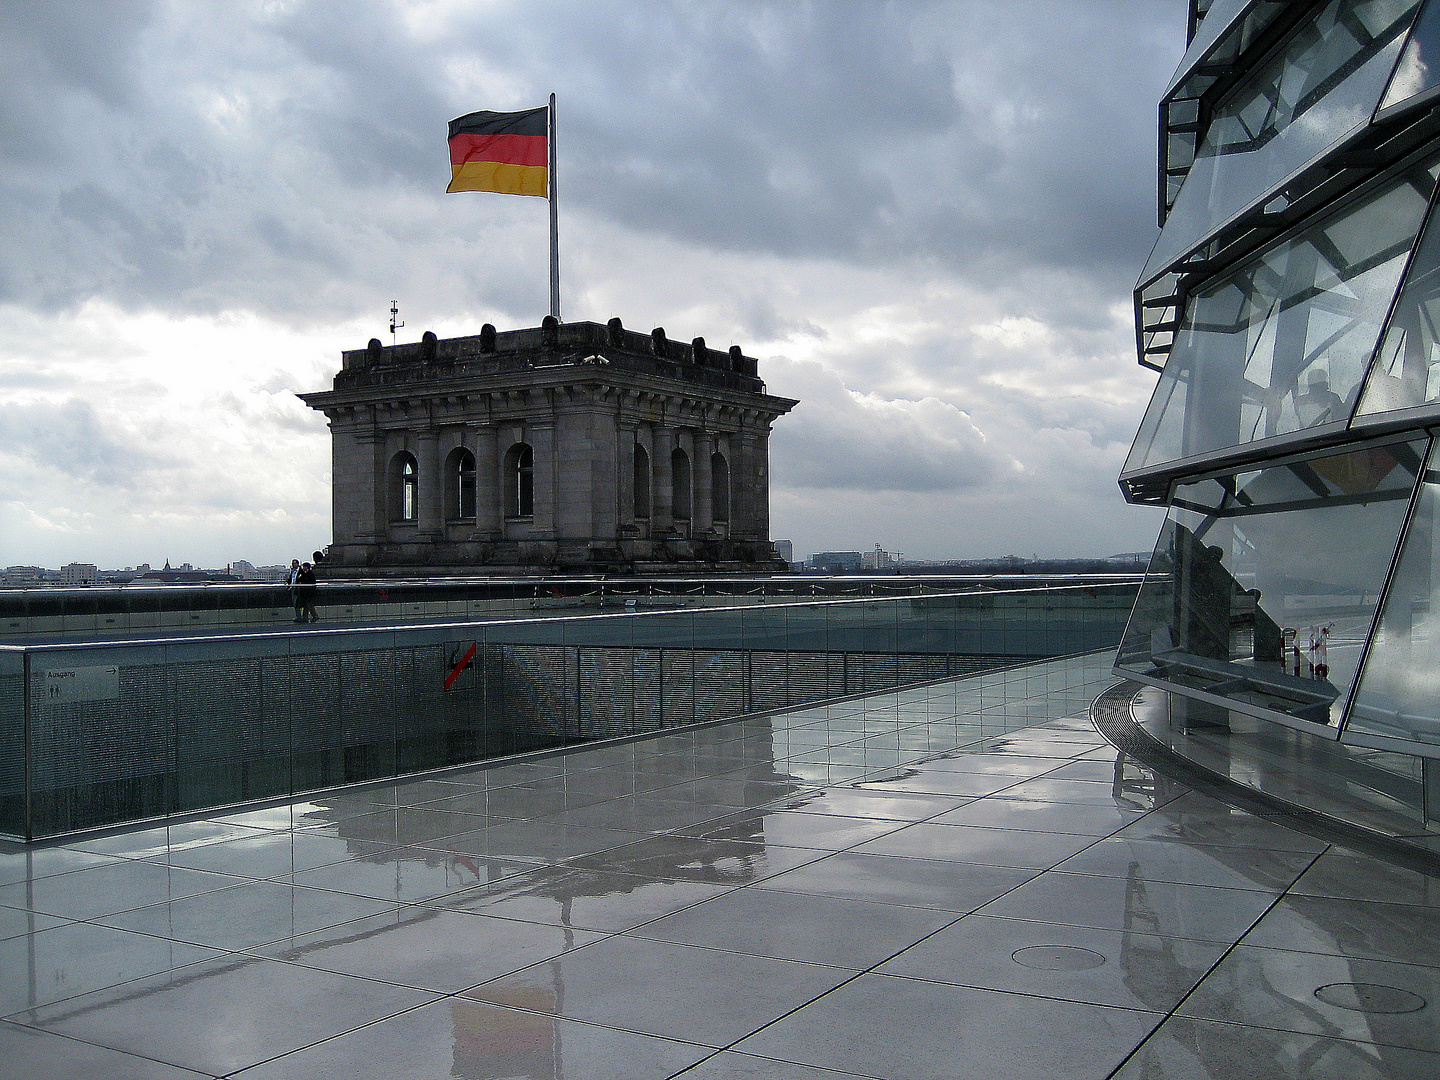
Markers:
point(80, 684)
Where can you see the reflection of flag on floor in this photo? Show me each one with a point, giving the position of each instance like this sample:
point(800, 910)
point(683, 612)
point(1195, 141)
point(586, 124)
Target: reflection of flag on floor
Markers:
point(504, 152)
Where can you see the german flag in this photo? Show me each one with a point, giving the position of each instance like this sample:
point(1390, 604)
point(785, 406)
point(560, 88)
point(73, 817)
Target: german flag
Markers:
point(504, 152)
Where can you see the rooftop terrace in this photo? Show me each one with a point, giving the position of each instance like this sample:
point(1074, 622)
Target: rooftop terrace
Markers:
point(962, 878)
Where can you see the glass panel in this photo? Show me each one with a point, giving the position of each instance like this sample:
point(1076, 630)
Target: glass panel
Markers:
point(1399, 692)
point(465, 479)
point(1331, 73)
point(1417, 71)
point(1264, 583)
point(1406, 372)
point(125, 730)
point(1222, 21)
point(407, 491)
point(1370, 788)
point(1221, 16)
point(12, 742)
point(1221, 39)
point(1282, 344)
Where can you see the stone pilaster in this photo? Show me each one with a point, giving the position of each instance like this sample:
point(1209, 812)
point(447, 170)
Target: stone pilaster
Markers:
point(574, 460)
point(543, 443)
point(760, 515)
point(625, 444)
point(746, 490)
point(702, 482)
point(430, 507)
point(606, 480)
point(357, 490)
point(662, 443)
point(487, 481)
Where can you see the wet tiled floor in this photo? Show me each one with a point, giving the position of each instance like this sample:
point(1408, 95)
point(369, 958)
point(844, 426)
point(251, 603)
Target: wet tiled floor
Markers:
point(963, 879)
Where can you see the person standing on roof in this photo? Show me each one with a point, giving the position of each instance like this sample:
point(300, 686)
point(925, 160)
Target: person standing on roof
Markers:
point(294, 588)
point(305, 593)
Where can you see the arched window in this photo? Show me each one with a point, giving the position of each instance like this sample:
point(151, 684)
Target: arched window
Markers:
point(642, 482)
point(404, 487)
point(520, 481)
point(460, 485)
point(719, 487)
point(680, 485)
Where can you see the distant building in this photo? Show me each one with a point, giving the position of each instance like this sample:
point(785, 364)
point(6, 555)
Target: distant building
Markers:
point(78, 573)
point(880, 559)
point(23, 575)
point(248, 571)
point(565, 448)
point(785, 549)
point(186, 573)
point(836, 561)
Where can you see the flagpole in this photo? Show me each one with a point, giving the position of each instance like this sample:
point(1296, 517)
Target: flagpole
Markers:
point(554, 221)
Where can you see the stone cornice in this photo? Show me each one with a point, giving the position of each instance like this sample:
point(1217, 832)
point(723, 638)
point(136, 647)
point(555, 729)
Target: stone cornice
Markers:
point(542, 390)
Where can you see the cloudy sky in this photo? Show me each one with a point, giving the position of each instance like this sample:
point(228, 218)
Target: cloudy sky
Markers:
point(925, 219)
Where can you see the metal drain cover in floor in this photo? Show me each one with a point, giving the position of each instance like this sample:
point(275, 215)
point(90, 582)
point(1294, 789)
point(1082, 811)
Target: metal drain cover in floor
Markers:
point(1370, 998)
point(1057, 958)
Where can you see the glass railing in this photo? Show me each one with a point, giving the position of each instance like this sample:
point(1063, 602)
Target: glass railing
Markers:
point(53, 612)
point(100, 732)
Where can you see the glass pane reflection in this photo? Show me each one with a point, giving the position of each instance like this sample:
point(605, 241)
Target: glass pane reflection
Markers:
point(1324, 83)
point(1282, 344)
point(1253, 566)
point(1399, 692)
point(1417, 71)
point(1218, 22)
point(1406, 371)
point(1229, 28)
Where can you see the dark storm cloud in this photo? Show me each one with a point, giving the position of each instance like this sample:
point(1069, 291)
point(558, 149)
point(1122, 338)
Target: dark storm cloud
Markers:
point(83, 47)
point(929, 214)
point(981, 135)
point(192, 157)
point(758, 127)
point(380, 110)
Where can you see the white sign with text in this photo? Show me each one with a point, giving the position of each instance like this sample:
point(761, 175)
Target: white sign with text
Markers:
point(81, 684)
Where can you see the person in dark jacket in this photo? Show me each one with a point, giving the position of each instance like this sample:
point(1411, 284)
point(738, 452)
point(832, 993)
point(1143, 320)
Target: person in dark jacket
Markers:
point(305, 593)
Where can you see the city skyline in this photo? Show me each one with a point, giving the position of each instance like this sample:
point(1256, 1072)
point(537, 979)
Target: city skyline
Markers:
point(884, 206)
point(895, 560)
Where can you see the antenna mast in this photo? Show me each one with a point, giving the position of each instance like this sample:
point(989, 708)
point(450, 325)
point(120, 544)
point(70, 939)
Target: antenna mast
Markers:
point(394, 314)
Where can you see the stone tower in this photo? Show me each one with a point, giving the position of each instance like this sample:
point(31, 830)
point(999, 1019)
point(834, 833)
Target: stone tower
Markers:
point(564, 448)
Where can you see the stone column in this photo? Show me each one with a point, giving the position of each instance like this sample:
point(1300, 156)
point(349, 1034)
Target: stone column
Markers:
point(430, 506)
point(662, 442)
point(487, 481)
point(702, 482)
